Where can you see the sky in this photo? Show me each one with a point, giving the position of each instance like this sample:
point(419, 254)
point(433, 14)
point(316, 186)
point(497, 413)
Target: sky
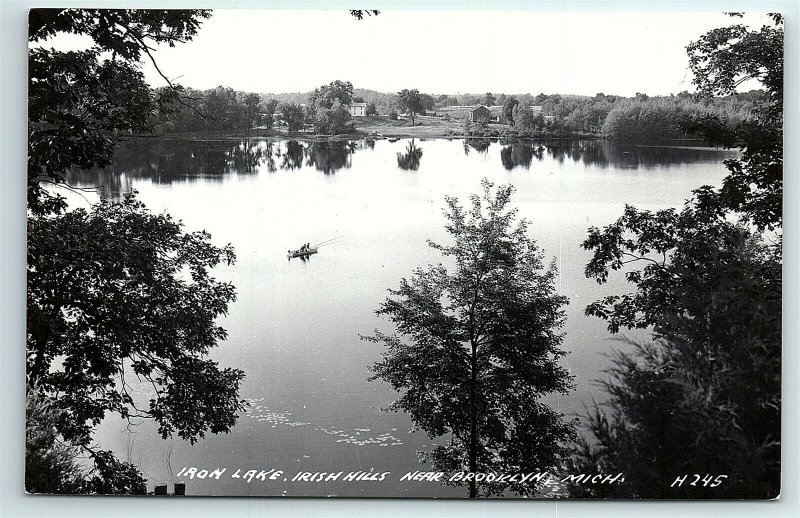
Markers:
point(582, 53)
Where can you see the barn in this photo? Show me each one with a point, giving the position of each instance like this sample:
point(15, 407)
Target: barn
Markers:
point(480, 113)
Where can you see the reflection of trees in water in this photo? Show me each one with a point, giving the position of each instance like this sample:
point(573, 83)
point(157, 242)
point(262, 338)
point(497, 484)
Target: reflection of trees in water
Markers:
point(588, 152)
point(167, 161)
point(268, 157)
point(330, 156)
point(366, 143)
point(247, 156)
point(325, 156)
point(292, 157)
point(626, 155)
point(164, 161)
point(411, 158)
point(478, 144)
point(518, 154)
point(108, 185)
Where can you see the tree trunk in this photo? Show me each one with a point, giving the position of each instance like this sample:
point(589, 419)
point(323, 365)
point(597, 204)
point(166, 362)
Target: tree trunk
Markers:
point(473, 421)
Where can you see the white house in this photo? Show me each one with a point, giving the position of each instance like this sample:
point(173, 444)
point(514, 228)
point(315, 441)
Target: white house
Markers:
point(358, 110)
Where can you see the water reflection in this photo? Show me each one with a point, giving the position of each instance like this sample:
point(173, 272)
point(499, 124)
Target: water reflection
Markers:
point(164, 161)
point(292, 157)
point(624, 155)
point(295, 325)
point(330, 156)
point(409, 160)
point(518, 154)
point(478, 144)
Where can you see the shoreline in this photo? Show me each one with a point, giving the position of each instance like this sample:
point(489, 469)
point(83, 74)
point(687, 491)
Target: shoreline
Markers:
point(273, 136)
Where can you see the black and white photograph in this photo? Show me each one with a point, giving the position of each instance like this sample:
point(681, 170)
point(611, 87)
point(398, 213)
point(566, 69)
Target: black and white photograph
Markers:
point(452, 254)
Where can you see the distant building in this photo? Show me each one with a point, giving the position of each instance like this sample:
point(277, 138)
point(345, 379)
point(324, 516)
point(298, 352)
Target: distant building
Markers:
point(480, 113)
point(358, 110)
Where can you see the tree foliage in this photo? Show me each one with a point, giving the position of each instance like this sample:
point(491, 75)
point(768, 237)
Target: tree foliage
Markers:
point(329, 108)
point(50, 465)
point(644, 119)
point(508, 110)
point(81, 102)
point(115, 293)
point(708, 283)
point(335, 120)
point(411, 102)
point(477, 346)
point(293, 115)
point(54, 466)
point(722, 60)
point(326, 95)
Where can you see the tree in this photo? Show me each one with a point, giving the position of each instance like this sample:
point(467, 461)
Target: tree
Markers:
point(252, 112)
point(292, 115)
point(372, 109)
point(508, 110)
point(478, 346)
point(328, 108)
point(79, 102)
point(411, 101)
point(50, 465)
point(223, 110)
point(268, 113)
point(326, 95)
point(488, 99)
point(333, 121)
point(107, 297)
point(643, 119)
point(428, 102)
point(710, 379)
point(525, 120)
point(722, 60)
point(709, 286)
point(444, 100)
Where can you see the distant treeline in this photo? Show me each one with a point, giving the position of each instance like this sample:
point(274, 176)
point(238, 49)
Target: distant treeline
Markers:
point(542, 115)
point(640, 117)
point(323, 111)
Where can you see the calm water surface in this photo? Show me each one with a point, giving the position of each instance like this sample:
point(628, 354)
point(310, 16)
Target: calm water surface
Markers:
point(295, 326)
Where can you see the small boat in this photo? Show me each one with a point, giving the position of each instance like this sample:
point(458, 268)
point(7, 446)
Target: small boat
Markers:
point(302, 253)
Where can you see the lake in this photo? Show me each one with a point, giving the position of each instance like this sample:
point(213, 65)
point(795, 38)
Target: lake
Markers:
point(295, 326)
